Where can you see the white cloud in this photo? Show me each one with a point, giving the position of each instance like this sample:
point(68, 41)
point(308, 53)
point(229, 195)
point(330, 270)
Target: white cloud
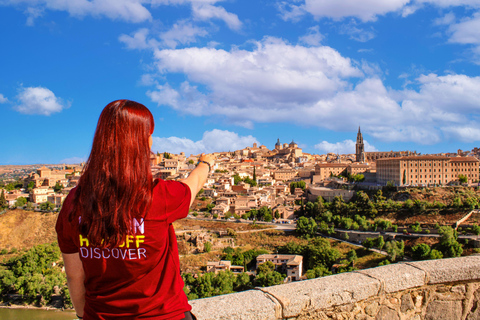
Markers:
point(290, 11)
point(366, 10)
point(73, 160)
point(205, 11)
point(447, 19)
point(3, 99)
point(212, 141)
point(138, 40)
point(344, 147)
point(355, 33)
point(274, 74)
point(127, 10)
point(39, 100)
point(279, 82)
point(313, 37)
point(182, 32)
point(466, 31)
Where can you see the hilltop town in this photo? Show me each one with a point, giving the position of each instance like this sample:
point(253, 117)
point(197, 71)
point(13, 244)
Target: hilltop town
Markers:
point(256, 177)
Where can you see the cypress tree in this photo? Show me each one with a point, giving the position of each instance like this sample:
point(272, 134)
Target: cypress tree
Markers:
point(3, 201)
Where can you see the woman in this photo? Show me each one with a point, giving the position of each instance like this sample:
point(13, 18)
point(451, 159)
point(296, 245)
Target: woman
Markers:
point(115, 228)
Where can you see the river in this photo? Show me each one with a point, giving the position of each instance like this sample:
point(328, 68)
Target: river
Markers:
point(35, 314)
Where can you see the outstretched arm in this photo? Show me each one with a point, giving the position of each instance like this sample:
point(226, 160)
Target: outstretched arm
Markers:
point(198, 176)
point(75, 280)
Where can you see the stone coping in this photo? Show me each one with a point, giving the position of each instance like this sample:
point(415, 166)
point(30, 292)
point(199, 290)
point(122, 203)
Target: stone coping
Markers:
point(290, 300)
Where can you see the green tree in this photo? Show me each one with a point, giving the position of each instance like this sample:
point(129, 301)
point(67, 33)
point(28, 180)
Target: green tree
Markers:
point(306, 227)
point(317, 272)
point(435, 254)
point(209, 207)
point(462, 178)
point(30, 185)
point(47, 206)
point(167, 155)
point(58, 187)
point(395, 250)
point(449, 245)
point(207, 247)
point(21, 201)
point(267, 276)
point(421, 251)
point(320, 252)
point(352, 256)
point(191, 161)
point(3, 200)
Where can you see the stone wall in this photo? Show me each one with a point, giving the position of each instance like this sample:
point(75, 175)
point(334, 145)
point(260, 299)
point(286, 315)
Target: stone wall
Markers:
point(433, 290)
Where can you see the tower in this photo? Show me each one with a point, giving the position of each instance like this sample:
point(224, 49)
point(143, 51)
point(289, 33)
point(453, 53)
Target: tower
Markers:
point(359, 148)
point(278, 146)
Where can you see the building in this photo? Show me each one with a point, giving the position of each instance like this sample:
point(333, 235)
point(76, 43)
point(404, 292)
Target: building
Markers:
point(223, 265)
point(326, 170)
point(426, 170)
point(289, 264)
point(362, 156)
point(328, 193)
point(284, 175)
point(359, 147)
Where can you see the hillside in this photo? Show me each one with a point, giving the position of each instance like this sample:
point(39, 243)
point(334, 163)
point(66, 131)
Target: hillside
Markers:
point(24, 229)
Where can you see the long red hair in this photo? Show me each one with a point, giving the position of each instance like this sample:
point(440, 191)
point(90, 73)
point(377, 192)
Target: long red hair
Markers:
point(116, 185)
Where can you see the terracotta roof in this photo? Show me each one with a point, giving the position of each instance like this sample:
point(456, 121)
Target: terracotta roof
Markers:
point(426, 157)
point(463, 159)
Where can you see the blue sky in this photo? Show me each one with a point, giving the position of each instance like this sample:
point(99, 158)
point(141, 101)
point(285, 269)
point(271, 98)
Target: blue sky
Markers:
point(221, 75)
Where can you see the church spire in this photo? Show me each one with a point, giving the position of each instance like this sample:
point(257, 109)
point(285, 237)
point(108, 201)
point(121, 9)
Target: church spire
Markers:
point(359, 147)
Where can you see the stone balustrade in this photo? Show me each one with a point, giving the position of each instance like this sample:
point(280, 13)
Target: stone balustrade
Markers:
point(435, 289)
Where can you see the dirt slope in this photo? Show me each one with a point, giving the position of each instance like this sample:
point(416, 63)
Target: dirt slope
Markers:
point(24, 229)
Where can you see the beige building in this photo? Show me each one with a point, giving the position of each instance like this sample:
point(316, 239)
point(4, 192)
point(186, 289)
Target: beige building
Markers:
point(289, 264)
point(328, 194)
point(223, 265)
point(284, 175)
point(326, 170)
point(426, 170)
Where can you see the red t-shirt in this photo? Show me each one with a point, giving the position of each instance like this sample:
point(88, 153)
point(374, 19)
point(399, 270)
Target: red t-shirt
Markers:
point(139, 279)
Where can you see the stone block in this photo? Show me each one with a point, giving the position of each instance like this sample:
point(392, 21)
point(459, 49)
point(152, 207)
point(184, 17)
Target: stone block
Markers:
point(247, 305)
point(386, 313)
point(397, 277)
point(324, 292)
point(450, 270)
point(444, 310)
point(407, 303)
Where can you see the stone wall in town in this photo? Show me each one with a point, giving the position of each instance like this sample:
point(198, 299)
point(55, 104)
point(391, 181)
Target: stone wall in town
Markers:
point(433, 290)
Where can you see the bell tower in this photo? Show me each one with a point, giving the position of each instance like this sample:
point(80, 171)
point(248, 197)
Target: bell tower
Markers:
point(359, 147)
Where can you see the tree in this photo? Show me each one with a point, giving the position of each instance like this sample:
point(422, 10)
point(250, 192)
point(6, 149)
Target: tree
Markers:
point(306, 227)
point(317, 272)
point(167, 155)
point(449, 245)
point(58, 187)
point(319, 252)
point(352, 256)
point(277, 214)
point(421, 251)
point(191, 161)
point(395, 250)
point(207, 247)
point(47, 206)
point(209, 207)
point(267, 276)
point(462, 178)
point(21, 201)
point(30, 185)
point(3, 200)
